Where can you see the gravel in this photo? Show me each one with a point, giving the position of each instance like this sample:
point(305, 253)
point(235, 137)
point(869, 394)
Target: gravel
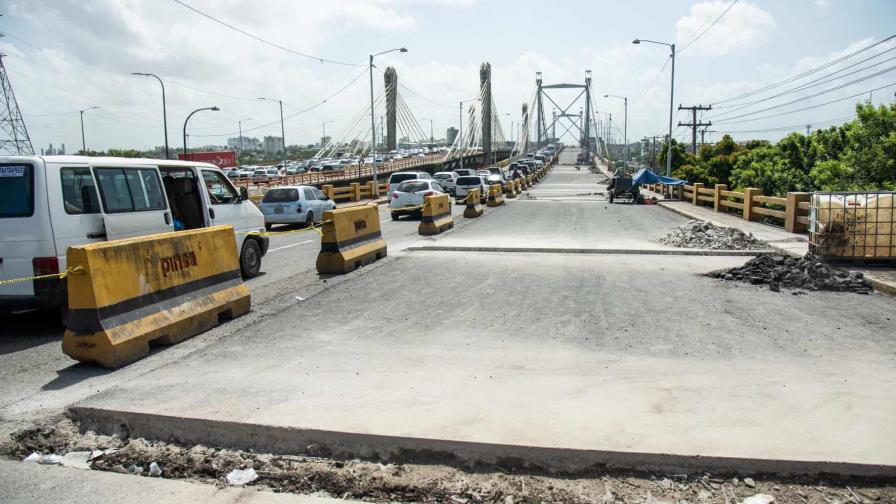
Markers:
point(806, 273)
point(704, 235)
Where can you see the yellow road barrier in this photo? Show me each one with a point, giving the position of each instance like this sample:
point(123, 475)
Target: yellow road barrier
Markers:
point(436, 215)
point(474, 205)
point(495, 196)
point(518, 185)
point(161, 288)
point(510, 190)
point(351, 239)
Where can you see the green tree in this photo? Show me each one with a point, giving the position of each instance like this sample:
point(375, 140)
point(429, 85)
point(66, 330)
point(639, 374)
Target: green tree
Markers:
point(680, 156)
point(871, 147)
point(769, 169)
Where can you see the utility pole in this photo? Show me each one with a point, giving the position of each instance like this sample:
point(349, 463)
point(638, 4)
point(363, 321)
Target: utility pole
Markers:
point(703, 133)
point(694, 124)
point(653, 153)
point(808, 129)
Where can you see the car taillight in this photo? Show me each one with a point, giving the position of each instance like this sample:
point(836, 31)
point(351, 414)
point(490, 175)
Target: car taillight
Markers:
point(45, 266)
point(429, 193)
point(395, 195)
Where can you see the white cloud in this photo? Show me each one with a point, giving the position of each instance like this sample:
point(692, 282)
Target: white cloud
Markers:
point(744, 27)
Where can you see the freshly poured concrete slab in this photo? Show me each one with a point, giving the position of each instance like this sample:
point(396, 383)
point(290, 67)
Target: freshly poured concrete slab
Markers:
point(562, 361)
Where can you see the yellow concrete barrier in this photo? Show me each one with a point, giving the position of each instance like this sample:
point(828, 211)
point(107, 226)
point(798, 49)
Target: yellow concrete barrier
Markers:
point(495, 196)
point(518, 183)
point(510, 190)
point(161, 288)
point(436, 216)
point(474, 205)
point(350, 238)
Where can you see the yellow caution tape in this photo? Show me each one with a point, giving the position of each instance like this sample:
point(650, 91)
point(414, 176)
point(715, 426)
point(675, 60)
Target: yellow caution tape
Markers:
point(316, 229)
point(68, 271)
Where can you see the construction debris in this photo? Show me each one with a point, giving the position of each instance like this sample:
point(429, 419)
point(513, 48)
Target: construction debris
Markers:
point(372, 481)
point(704, 235)
point(806, 273)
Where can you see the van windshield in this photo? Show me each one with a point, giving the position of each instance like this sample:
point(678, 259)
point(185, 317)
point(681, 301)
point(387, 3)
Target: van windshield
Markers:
point(16, 190)
point(469, 181)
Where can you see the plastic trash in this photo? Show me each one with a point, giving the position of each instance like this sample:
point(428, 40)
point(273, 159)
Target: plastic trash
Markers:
point(759, 499)
point(33, 458)
point(50, 460)
point(239, 477)
point(77, 459)
point(135, 469)
point(154, 470)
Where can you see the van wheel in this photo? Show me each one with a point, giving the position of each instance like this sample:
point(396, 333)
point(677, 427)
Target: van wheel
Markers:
point(268, 227)
point(395, 215)
point(250, 259)
point(309, 219)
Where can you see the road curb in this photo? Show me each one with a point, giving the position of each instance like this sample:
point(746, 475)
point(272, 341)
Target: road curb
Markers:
point(463, 454)
point(592, 251)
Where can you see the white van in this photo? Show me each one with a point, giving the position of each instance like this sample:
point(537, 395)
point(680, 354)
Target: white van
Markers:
point(48, 203)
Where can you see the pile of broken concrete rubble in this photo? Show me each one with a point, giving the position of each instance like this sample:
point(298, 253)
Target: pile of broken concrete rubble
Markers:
point(704, 235)
point(807, 273)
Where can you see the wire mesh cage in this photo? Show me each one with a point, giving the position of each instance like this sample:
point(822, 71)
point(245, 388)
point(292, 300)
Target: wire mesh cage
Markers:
point(853, 225)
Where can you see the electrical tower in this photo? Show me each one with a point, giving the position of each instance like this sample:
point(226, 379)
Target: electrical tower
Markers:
point(694, 124)
point(14, 137)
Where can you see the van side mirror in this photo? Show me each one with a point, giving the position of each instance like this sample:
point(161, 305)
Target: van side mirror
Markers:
point(244, 194)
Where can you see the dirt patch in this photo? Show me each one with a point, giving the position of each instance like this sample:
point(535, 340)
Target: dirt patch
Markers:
point(374, 482)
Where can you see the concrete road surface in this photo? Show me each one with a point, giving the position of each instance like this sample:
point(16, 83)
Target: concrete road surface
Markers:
point(561, 359)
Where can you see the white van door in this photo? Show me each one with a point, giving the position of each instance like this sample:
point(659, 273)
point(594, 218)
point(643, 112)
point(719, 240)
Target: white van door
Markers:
point(134, 203)
point(74, 206)
point(225, 207)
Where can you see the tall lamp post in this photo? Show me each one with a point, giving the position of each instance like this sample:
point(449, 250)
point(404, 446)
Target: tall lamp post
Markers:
point(624, 128)
point(323, 126)
point(164, 109)
point(460, 126)
point(240, 124)
point(83, 141)
point(372, 116)
point(671, 101)
point(188, 120)
point(282, 128)
point(431, 138)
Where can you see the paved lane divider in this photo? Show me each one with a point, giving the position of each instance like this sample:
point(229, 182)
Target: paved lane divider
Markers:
point(495, 196)
point(161, 288)
point(474, 205)
point(436, 216)
point(350, 238)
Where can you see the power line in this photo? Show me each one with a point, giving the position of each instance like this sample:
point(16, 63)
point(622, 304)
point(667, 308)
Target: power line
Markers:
point(816, 82)
point(302, 111)
point(792, 126)
point(791, 102)
point(648, 88)
point(689, 44)
point(418, 95)
point(272, 44)
point(806, 73)
point(809, 108)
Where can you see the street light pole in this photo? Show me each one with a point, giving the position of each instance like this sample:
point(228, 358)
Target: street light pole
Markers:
point(188, 120)
point(83, 140)
point(624, 128)
point(671, 101)
point(372, 112)
point(431, 138)
point(164, 109)
point(240, 123)
point(282, 127)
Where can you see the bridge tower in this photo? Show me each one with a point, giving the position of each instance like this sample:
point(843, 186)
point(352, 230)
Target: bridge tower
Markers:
point(391, 83)
point(485, 91)
point(539, 113)
point(524, 130)
point(589, 114)
point(14, 137)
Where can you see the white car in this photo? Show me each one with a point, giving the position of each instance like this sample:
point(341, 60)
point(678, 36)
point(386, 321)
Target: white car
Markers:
point(463, 185)
point(294, 205)
point(407, 198)
point(399, 177)
point(447, 179)
point(50, 203)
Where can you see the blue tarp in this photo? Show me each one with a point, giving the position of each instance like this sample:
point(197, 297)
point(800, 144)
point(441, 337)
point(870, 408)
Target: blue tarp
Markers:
point(645, 176)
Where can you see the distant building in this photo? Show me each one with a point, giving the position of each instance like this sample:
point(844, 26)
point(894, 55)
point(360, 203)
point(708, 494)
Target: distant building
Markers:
point(324, 141)
point(249, 144)
point(50, 151)
point(273, 144)
point(451, 135)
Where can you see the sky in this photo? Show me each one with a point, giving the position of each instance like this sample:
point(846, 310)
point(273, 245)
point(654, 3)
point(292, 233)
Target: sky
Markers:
point(68, 55)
